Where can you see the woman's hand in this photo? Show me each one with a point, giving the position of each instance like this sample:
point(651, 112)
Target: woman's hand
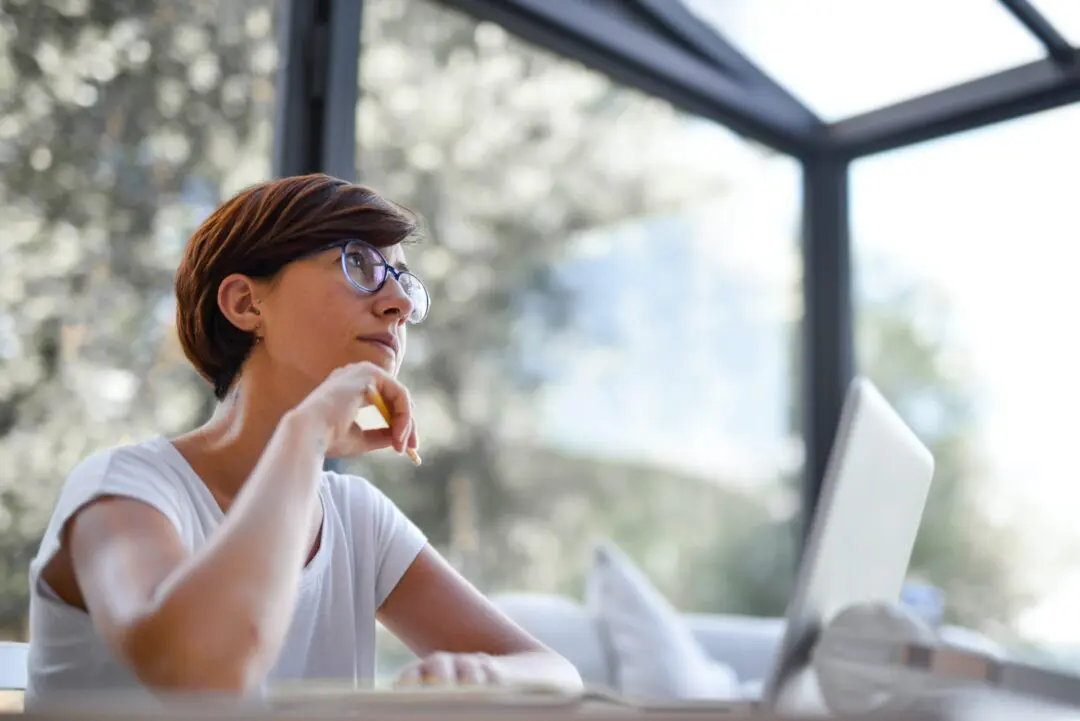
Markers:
point(453, 669)
point(332, 407)
point(465, 639)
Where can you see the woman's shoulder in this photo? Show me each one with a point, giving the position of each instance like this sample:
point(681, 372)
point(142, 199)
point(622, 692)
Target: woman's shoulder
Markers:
point(150, 470)
point(151, 462)
point(143, 471)
point(148, 453)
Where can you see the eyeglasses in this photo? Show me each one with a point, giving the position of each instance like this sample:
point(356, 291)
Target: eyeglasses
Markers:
point(367, 270)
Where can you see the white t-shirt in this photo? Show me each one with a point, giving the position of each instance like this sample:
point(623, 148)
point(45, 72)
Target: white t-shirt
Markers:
point(366, 546)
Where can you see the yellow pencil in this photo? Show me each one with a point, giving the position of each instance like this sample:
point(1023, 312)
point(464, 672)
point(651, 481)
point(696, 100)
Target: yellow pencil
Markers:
point(377, 400)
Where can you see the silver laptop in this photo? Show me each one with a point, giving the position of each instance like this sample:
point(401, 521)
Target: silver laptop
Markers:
point(858, 547)
point(861, 537)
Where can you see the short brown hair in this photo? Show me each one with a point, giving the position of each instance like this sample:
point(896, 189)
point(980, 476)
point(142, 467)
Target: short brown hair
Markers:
point(256, 233)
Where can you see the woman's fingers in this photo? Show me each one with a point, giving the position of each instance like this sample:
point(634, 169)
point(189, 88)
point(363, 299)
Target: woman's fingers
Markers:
point(414, 437)
point(392, 400)
point(438, 668)
point(411, 676)
point(335, 403)
point(376, 439)
point(451, 669)
point(473, 670)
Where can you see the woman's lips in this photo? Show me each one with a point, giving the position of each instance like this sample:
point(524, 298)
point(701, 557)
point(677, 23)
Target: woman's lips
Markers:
point(387, 343)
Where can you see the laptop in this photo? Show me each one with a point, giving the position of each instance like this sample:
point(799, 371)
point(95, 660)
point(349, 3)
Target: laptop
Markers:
point(858, 547)
point(860, 540)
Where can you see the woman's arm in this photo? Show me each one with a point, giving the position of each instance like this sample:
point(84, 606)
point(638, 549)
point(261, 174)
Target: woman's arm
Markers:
point(214, 619)
point(217, 618)
point(461, 637)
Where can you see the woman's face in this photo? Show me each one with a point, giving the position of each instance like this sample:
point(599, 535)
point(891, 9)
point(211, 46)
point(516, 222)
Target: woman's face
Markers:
point(314, 320)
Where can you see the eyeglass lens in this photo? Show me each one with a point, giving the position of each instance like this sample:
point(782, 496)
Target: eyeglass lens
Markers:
point(367, 268)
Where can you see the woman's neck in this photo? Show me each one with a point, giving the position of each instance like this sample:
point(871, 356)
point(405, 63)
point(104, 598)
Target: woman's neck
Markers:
point(224, 450)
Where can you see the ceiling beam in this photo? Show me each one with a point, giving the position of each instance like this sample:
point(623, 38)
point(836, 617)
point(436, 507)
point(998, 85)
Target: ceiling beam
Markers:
point(1031, 88)
point(710, 42)
point(613, 43)
point(1038, 25)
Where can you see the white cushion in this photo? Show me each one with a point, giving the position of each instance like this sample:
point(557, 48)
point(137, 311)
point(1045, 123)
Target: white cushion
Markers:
point(747, 644)
point(656, 656)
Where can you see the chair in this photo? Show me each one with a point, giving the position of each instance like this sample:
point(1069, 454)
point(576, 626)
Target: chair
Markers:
point(13, 666)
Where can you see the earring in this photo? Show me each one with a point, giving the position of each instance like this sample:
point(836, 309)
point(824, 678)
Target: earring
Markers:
point(258, 326)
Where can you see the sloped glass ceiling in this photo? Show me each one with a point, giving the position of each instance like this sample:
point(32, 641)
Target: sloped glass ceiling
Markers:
point(845, 57)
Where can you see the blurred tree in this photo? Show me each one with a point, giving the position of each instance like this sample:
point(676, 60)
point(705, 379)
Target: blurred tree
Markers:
point(122, 122)
point(904, 345)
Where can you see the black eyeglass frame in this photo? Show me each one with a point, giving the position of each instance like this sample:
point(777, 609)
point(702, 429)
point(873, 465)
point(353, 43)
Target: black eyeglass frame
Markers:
point(389, 271)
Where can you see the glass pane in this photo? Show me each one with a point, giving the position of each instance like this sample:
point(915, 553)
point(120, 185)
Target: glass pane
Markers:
point(611, 343)
point(967, 316)
point(1065, 16)
point(843, 57)
point(120, 129)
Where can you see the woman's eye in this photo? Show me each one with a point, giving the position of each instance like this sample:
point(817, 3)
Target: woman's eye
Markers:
point(356, 260)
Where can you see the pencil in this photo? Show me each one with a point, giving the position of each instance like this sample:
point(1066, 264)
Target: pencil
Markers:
point(377, 400)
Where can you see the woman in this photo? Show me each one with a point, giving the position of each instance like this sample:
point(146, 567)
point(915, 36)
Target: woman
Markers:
point(227, 557)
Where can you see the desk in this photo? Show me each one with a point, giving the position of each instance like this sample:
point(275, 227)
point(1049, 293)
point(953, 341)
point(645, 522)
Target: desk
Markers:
point(366, 708)
point(369, 706)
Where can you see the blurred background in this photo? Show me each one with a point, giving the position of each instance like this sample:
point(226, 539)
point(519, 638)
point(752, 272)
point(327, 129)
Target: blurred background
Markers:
point(620, 279)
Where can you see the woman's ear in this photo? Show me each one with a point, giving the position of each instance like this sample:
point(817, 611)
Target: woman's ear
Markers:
point(239, 303)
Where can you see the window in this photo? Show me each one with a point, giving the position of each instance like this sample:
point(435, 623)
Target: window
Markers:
point(609, 351)
point(120, 129)
point(967, 302)
point(844, 57)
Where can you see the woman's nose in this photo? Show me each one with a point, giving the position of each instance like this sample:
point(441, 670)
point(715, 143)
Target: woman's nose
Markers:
point(393, 300)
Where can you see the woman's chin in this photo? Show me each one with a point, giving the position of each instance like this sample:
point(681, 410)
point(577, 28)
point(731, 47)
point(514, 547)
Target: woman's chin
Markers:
point(384, 358)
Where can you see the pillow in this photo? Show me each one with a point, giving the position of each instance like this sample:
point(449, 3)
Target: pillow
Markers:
point(655, 655)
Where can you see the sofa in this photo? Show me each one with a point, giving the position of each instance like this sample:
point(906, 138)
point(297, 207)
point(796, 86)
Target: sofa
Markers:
point(629, 638)
point(746, 644)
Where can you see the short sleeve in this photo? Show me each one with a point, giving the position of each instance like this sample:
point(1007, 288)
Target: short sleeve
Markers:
point(125, 472)
point(398, 541)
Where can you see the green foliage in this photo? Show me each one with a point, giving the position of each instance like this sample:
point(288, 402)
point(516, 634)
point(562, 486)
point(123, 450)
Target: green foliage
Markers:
point(904, 346)
point(122, 122)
